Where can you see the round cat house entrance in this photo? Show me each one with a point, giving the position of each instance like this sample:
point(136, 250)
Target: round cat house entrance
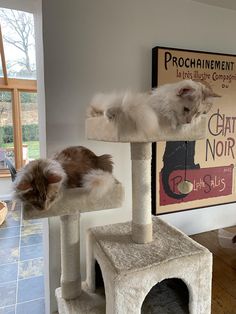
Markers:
point(167, 296)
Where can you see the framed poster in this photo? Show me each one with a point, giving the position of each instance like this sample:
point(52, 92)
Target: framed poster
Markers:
point(209, 163)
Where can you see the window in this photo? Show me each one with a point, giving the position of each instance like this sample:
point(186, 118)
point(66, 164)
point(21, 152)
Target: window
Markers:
point(19, 140)
point(19, 43)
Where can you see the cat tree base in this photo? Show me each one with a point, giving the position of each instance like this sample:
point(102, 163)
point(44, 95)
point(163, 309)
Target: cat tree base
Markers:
point(86, 303)
point(130, 270)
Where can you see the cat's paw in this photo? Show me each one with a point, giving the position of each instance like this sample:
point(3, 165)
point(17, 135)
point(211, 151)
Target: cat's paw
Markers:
point(94, 112)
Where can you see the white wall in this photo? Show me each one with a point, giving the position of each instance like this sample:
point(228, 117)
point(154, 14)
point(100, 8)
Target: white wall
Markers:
point(92, 46)
point(5, 189)
point(230, 4)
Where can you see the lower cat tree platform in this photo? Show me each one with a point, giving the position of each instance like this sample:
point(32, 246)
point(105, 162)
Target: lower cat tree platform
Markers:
point(130, 270)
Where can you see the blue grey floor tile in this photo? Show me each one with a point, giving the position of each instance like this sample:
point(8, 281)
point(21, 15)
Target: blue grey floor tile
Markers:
point(32, 222)
point(9, 243)
point(30, 268)
point(7, 294)
point(9, 250)
point(31, 229)
point(33, 307)
point(32, 239)
point(30, 289)
point(31, 251)
point(9, 232)
point(12, 219)
point(9, 255)
point(8, 272)
point(7, 309)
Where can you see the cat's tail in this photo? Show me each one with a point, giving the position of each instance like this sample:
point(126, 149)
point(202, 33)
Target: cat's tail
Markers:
point(105, 163)
point(98, 182)
point(101, 102)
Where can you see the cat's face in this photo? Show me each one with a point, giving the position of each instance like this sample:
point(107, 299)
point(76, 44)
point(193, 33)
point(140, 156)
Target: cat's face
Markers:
point(195, 98)
point(39, 184)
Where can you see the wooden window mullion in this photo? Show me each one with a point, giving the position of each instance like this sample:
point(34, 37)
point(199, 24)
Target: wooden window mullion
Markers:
point(4, 67)
point(18, 145)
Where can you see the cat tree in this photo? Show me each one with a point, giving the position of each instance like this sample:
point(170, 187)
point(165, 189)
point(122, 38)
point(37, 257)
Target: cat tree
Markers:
point(133, 256)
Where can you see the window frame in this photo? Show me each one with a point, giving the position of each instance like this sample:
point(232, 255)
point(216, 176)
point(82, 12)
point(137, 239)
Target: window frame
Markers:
point(15, 86)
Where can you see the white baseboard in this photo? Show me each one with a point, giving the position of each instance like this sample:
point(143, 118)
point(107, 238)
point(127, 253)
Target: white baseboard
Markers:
point(6, 197)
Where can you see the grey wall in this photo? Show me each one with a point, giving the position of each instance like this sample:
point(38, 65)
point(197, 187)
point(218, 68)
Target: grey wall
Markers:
point(230, 4)
point(105, 45)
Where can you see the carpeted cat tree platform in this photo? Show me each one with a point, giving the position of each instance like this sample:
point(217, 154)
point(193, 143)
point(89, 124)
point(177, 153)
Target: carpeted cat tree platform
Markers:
point(133, 256)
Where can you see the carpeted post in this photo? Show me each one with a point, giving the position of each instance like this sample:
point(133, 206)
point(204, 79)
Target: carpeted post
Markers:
point(70, 256)
point(141, 192)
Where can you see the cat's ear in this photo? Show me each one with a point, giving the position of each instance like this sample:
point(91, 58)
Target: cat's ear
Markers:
point(185, 91)
point(23, 186)
point(53, 178)
point(210, 93)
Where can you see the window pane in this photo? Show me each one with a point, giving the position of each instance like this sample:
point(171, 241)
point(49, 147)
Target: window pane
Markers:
point(30, 128)
point(6, 129)
point(19, 43)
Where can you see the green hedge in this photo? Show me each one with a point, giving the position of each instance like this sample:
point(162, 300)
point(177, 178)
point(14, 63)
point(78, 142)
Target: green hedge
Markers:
point(30, 132)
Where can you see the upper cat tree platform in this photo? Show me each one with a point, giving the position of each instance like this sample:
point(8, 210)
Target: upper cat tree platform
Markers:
point(101, 129)
point(77, 200)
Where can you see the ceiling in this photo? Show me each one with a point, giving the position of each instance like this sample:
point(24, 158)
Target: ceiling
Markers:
point(227, 4)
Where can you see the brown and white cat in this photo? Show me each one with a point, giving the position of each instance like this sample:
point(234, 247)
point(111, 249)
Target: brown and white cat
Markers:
point(166, 107)
point(41, 182)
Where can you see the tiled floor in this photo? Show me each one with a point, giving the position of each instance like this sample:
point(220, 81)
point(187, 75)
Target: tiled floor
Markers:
point(21, 265)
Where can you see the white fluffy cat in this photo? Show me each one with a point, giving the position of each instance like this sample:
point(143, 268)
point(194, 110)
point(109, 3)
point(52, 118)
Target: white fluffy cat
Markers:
point(168, 106)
